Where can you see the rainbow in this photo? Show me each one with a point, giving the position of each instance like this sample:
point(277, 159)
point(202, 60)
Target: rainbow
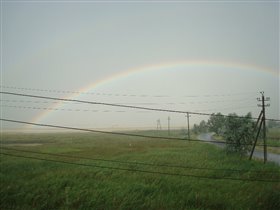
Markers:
point(156, 67)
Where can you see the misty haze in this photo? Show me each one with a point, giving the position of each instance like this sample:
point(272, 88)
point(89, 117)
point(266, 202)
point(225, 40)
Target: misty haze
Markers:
point(140, 104)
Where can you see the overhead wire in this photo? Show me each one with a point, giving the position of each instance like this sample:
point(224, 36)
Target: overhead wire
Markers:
point(121, 133)
point(143, 171)
point(121, 105)
point(87, 110)
point(138, 163)
point(224, 108)
point(66, 109)
point(119, 94)
point(90, 110)
point(82, 92)
point(273, 138)
point(130, 103)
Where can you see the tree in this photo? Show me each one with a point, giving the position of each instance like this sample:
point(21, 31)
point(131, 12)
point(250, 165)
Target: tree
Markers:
point(216, 123)
point(195, 128)
point(239, 133)
point(203, 128)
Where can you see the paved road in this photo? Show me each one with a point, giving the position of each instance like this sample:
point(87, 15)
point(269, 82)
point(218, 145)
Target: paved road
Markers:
point(257, 154)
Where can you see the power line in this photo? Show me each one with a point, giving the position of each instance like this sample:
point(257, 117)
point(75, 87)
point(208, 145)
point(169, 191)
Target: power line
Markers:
point(119, 133)
point(31, 101)
point(92, 102)
point(273, 138)
point(120, 94)
point(86, 110)
point(70, 110)
point(144, 171)
point(139, 163)
point(226, 108)
point(223, 95)
point(132, 103)
point(120, 105)
point(56, 102)
point(81, 92)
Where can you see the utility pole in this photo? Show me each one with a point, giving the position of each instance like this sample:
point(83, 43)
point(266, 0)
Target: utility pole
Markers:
point(168, 126)
point(262, 125)
point(263, 105)
point(188, 121)
point(260, 119)
point(158, 125)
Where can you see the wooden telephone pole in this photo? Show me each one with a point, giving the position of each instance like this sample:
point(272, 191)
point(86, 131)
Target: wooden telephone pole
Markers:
point(260, 124)
point(188, 121)
point(158, 125)
point(168, 126)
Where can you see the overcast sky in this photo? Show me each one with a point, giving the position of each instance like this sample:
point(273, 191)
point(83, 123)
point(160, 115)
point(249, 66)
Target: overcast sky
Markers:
point(228, 51)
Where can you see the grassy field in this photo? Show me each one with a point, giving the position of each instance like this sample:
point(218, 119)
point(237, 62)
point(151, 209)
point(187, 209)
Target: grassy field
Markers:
point(91, 183)
point(273, 139)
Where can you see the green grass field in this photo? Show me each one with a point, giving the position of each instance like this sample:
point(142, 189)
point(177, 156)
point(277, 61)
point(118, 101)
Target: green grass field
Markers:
point(273, 138)
point(92, 183)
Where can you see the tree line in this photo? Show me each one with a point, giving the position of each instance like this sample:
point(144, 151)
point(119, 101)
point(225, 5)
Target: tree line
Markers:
point(237, 132)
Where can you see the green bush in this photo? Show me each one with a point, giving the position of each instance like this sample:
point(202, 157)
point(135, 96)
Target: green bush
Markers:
point(239, 133)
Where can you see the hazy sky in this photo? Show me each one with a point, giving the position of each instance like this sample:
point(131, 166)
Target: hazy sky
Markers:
point(228, 51)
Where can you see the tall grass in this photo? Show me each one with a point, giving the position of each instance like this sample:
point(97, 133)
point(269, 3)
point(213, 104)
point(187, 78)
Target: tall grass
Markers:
point(34, 184)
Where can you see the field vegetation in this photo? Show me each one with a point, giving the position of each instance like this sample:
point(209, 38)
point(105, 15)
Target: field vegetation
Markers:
point(239, 133)
point(272, 140)
point(94, 171)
